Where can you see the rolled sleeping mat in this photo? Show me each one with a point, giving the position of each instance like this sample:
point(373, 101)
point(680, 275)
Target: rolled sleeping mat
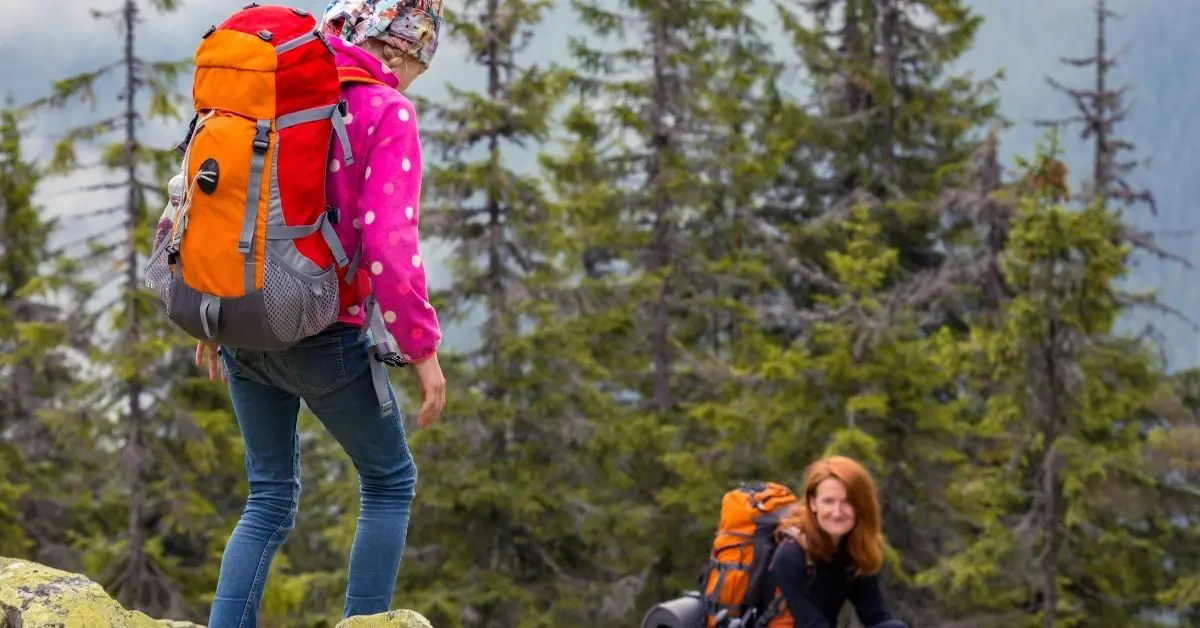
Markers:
point(682, 612)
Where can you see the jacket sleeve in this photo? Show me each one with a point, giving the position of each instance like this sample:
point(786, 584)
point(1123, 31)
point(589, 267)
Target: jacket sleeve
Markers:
point(389, 215)
point(866, 597)
point(788, 567)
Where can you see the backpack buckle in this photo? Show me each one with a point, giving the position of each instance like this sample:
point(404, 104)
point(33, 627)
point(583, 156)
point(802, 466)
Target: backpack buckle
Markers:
point(386, 353)
point(342, 108)
point(333, 215)
point(391, 359)
point(262, 139)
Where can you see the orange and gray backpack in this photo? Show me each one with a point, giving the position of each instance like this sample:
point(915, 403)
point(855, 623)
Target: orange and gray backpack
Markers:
point(733, 583)
point(251, 259)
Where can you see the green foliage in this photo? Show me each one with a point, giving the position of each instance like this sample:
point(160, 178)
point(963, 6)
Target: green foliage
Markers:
point(677, 271)
point(155, 475)
point(1063, 489)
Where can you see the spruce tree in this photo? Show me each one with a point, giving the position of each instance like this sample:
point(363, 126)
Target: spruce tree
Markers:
point(36, 286)
point(677, 123)
point(1175, 448)
point(1098, 111)
point(1059, 511)
point(892, 127)
point(154, 519)
point(892, 122)
point(504, 474)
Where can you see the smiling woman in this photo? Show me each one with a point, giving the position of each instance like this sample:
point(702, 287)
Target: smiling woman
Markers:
point(831, 553)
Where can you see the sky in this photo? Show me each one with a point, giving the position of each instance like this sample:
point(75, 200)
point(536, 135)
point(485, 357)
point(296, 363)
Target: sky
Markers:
point(1024, 38)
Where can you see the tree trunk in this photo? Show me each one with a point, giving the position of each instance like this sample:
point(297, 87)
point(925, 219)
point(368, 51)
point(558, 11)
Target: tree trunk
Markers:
point(660, 246)
point(133, 579)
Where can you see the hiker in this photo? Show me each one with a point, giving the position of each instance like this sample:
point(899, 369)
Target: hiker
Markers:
point(380, 48)
point(781, 559)
point(831, 550)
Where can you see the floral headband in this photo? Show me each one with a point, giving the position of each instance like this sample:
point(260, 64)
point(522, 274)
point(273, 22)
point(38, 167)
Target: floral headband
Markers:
point(412, 26)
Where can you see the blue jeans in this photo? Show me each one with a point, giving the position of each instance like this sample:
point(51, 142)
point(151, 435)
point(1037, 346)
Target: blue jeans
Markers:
point(331, 372)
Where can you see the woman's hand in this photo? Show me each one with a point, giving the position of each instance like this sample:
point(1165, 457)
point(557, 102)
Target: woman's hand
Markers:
point(433, 390)
point(210, 352)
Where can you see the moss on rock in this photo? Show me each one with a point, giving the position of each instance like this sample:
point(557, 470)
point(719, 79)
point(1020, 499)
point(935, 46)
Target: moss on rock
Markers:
point(37, 596)
point(33, 595)
point(394, 619)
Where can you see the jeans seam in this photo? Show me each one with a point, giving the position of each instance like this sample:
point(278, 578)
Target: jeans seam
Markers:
point(262, 559)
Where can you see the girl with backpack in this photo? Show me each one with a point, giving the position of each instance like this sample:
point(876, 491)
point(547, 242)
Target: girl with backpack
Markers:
point(380, 48)
point(831, 551)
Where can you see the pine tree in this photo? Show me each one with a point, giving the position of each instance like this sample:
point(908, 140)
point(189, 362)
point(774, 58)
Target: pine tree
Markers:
point(1174, 452)
point(678, 123)
point(34, 342)
point(891, 122)
point(892, 127)
point(502, 493)
point(1098, 111)
point(1060, 510)
point(149, 545)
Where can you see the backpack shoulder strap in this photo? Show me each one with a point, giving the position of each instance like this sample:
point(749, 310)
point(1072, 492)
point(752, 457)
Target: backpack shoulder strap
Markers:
point(356, 75)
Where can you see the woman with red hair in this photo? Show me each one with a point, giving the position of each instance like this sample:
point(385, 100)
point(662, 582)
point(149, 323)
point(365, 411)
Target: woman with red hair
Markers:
point(831, 551)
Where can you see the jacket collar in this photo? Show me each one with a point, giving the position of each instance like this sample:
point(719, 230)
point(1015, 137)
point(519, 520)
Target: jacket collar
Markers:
point(349, 55)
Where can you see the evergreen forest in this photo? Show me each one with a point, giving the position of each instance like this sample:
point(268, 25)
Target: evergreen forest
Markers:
point(684, 255)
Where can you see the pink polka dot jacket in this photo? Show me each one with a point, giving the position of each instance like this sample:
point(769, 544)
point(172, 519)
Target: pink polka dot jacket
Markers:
point(378, 195)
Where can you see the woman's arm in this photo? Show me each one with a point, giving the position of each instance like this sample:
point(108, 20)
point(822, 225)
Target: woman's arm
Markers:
point(389, 215)
point(867, 598)
point(788, 567)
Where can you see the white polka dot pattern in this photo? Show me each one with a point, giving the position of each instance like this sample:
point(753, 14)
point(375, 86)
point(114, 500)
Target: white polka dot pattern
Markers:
point(386, 212)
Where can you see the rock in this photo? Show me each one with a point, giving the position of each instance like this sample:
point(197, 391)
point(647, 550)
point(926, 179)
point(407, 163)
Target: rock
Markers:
point(37, 596)
point(394, 619)
point(33, 596)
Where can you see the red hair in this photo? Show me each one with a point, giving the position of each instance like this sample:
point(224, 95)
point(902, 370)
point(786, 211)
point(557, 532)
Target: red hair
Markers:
point(865, 541)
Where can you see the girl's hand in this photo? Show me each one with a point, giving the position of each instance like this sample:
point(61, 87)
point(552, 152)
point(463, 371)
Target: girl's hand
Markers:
point(210, 352)
point(433, 390)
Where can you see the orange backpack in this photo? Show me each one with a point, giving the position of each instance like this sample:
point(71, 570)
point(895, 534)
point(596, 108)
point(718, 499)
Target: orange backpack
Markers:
point(251, 259)
point(741, 552)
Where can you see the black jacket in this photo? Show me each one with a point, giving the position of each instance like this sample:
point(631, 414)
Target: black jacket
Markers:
point(815, 601)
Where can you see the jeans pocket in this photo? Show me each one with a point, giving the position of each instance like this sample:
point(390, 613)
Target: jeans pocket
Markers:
point(316, 365)
point(229, 360)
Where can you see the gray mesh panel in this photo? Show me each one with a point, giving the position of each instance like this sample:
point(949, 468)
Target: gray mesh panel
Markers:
point(158, 277)
point(297, 305)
